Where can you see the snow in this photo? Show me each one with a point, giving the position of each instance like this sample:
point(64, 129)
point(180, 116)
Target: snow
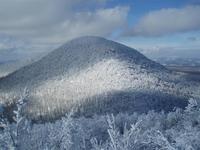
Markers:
point(178, 130)
point(93, 71)
point(97, 94)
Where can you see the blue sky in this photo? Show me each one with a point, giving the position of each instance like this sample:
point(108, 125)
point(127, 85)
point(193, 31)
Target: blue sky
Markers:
point(157, 28)
point(176, 44)
point(138, 8)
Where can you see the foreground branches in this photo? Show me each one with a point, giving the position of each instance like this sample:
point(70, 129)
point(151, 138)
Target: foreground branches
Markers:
point(176, 130)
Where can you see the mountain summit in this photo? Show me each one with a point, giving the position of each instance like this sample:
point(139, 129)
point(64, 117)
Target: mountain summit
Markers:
point(77, 55)
point(94, 75)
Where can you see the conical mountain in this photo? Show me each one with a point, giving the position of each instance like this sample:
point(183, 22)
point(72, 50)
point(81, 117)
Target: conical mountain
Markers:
point(95, 75)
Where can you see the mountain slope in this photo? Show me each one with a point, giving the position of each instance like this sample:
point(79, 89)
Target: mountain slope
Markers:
point(77, 55)
point(90, 73)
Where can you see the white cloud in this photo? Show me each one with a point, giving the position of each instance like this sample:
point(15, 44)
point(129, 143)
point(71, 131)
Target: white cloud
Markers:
point(53, 21)
point(168, 21)
point(100, 22)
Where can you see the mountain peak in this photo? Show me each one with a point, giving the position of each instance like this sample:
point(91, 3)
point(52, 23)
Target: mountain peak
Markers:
point(91, 69)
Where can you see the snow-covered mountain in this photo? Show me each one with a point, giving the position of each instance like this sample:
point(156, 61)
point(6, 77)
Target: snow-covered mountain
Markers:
point(94, 75)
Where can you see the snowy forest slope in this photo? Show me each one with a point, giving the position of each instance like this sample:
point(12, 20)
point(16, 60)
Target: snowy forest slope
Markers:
point(96, 75)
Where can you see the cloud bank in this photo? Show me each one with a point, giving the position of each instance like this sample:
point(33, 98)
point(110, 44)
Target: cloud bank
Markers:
point(53, 21)
point(167, 21)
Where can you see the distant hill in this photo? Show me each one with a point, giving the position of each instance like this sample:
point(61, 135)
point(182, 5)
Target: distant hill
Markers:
point(95, 75)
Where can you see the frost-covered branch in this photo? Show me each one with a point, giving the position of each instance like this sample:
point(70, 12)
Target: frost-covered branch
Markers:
point(11, 131)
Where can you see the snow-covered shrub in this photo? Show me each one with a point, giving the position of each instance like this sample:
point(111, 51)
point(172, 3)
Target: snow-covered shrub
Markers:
point(60, 137)
point(178, 130)
point(6, 141)
point(11, 132)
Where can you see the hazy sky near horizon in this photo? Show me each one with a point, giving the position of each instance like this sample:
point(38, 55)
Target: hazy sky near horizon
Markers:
point(155, 27)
